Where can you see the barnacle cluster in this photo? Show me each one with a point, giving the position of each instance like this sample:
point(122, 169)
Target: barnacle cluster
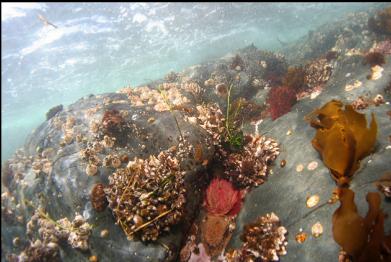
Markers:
point(145, 95)
point(363, 102)
point(112, 122)
point(148, 196)
point(250, 166)
point(37, 251)
point(212, 120)
point(263, 239)
point(51, 232)
point(76, 233)
point(317, 72)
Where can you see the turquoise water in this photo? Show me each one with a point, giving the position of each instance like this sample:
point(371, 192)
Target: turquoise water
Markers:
point(99, 48)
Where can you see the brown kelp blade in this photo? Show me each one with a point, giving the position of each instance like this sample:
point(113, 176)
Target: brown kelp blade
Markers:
point(342, 138)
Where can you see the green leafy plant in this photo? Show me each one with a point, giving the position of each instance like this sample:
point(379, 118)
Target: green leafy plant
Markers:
point(235, 137)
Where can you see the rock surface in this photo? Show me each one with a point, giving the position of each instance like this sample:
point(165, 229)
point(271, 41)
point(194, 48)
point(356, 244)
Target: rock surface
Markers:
point(50, 169)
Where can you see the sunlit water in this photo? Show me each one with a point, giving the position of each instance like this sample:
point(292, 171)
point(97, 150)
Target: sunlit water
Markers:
point(102, 47)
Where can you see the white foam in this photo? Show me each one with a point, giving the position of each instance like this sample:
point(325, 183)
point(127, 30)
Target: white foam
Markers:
point(156, 25)
point(139, 18)
point(12, 10)
point(48, 35)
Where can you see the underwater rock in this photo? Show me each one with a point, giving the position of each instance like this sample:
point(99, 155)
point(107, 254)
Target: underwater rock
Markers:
point(67, 189)
point(53, 111)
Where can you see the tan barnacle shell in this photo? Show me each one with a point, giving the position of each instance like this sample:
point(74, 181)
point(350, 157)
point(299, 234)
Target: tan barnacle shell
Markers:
point(47, 167)
point(97, 147)
point(299, 168)
point(94, 126)
point(70, 122)
point(209, 82)
point(48, 152)
point(116, 162)
point(376, 72)
point(108, 141)
point(91, 169)
point(104, 233)
point(317, 229)
point(354, 85)
point(312, 201)
point(68, 137)
point(37, 166)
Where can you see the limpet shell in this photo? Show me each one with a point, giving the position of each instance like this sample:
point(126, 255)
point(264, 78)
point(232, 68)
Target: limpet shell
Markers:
point(312, 165)
point(299, 168)
point(312, 201)
point(91, 169)
point(317, 229)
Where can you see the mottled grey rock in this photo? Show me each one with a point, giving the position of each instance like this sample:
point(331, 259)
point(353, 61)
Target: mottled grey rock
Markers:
point(286, 190)
point(67, 189)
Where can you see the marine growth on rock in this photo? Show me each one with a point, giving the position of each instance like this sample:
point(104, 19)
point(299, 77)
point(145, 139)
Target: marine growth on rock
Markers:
point(342, 138)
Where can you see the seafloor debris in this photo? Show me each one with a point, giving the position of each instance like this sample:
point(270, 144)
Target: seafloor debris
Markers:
point(363, 238)
point(264, 240)
point(251, 165)
point(342, 138)
point(148, 196)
